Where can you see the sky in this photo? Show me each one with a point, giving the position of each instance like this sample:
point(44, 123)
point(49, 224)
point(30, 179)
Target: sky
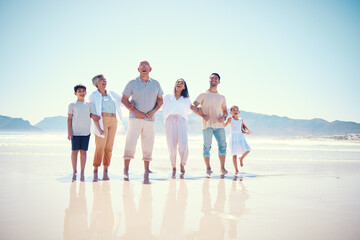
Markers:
point(299, 59)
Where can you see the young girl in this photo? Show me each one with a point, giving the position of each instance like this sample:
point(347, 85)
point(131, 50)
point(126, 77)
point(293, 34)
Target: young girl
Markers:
point(238, 144)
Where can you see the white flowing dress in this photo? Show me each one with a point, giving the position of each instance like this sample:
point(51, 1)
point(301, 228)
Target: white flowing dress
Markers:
point(238, 143)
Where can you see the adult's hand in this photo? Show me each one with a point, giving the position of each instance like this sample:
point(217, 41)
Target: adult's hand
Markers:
point(140, 115)
point(206, 117)
point(150, 114)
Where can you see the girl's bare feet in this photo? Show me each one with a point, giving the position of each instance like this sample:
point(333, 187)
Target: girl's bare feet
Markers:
point(241, 162)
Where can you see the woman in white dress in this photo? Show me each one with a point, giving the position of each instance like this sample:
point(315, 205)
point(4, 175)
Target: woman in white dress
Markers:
point(176, 108)
point(238, 143)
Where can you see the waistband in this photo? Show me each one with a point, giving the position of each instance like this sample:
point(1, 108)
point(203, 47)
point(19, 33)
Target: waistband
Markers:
point(105, 114)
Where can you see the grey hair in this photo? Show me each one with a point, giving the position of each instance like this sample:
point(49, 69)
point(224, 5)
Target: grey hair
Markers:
point(96, 79)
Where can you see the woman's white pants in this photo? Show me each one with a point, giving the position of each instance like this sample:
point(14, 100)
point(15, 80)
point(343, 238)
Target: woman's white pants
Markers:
point(176, 136)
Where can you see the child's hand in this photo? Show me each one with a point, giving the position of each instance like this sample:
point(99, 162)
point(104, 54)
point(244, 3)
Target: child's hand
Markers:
point(101, 132)
point(249, 132)
point(70, 136)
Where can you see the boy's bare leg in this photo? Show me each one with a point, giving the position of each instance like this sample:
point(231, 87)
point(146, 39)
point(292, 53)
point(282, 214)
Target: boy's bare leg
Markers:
point(207, 163)
point(82, 164)
point(74, 154)
point(235, 163)
point(242, 158)
point(222, 163)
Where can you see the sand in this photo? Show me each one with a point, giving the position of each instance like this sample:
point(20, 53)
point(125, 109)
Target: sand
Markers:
point(288, 198)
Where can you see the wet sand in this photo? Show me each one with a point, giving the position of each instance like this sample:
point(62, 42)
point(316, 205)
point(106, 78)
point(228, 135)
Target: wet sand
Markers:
point(295, 199)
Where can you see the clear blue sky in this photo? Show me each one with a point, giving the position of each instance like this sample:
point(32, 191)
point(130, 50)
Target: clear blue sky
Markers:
point(299, 59)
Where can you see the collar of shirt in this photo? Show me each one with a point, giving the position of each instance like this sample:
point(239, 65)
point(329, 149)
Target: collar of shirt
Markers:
point(144, 81)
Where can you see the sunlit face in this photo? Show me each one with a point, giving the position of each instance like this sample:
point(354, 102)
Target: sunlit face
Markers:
point(180, 85)
point(101, 83)
point(144, 68)
point(214, 80)
point(235, 111)
point(80, 93)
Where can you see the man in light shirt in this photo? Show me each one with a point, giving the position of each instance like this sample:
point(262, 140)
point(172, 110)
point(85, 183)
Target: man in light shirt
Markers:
point(214, 113)
point(146, 99)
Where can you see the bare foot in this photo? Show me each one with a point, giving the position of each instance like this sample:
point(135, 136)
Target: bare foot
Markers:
point(146, 178)
point(74, 176)
point(224, 171)
point(208, 172)
point(241, 162)
point(82, 177)
point(106, 176)
point(182, 168)
point(148, 171)
point(96, 178)
point(126, 173)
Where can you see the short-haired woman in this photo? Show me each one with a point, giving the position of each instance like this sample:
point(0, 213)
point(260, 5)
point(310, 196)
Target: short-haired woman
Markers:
point(107, 105)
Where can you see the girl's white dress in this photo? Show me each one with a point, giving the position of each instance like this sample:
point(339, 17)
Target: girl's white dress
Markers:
point(238, 143)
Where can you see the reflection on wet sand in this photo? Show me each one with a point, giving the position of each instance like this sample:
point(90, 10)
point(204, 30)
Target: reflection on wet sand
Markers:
point(237, 198)
point(219, 219)
point(75, 222)
point(211, 224)
point(173, 222)
point(102, 216)
point(137, 222)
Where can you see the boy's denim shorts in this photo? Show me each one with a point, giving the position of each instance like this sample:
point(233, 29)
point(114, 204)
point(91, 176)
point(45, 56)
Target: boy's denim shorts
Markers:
point(220, 137)
point(80, 143)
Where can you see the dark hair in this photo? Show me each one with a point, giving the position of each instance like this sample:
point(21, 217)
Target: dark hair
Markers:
point(79, 86)
point(216, 74)
point(234, 107)
point(184, 92)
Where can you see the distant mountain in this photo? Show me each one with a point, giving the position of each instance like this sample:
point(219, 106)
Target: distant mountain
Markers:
point(15, 124)
point(272, 125)
point(261, 124)
point(58, 123)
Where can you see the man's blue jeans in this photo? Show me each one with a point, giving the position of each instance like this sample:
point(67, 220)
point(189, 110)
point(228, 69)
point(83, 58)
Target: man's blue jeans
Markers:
point(219, 134)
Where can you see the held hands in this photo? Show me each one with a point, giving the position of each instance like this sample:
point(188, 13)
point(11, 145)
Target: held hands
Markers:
point(132, 105)
point(205, 117)
point(101, 132)
point(221, 119)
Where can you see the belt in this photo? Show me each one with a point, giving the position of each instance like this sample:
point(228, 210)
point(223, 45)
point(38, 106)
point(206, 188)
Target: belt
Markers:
point(105, 114)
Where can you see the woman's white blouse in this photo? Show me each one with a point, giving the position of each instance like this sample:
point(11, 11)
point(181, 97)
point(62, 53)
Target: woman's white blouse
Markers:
point(180, 107)
point(96, 99)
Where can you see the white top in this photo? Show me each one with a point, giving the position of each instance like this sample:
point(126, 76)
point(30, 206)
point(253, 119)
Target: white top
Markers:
point(96, 99)
point(81, 117)
point(180, 106)
point(235, 125)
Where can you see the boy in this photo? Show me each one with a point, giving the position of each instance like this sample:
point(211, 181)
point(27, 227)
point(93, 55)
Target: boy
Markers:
point(79, 123)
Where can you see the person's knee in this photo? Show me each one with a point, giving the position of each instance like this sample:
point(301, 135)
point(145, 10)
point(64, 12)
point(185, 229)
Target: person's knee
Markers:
point(222, 149)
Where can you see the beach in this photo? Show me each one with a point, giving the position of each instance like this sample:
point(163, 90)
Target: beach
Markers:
point(288, 189)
